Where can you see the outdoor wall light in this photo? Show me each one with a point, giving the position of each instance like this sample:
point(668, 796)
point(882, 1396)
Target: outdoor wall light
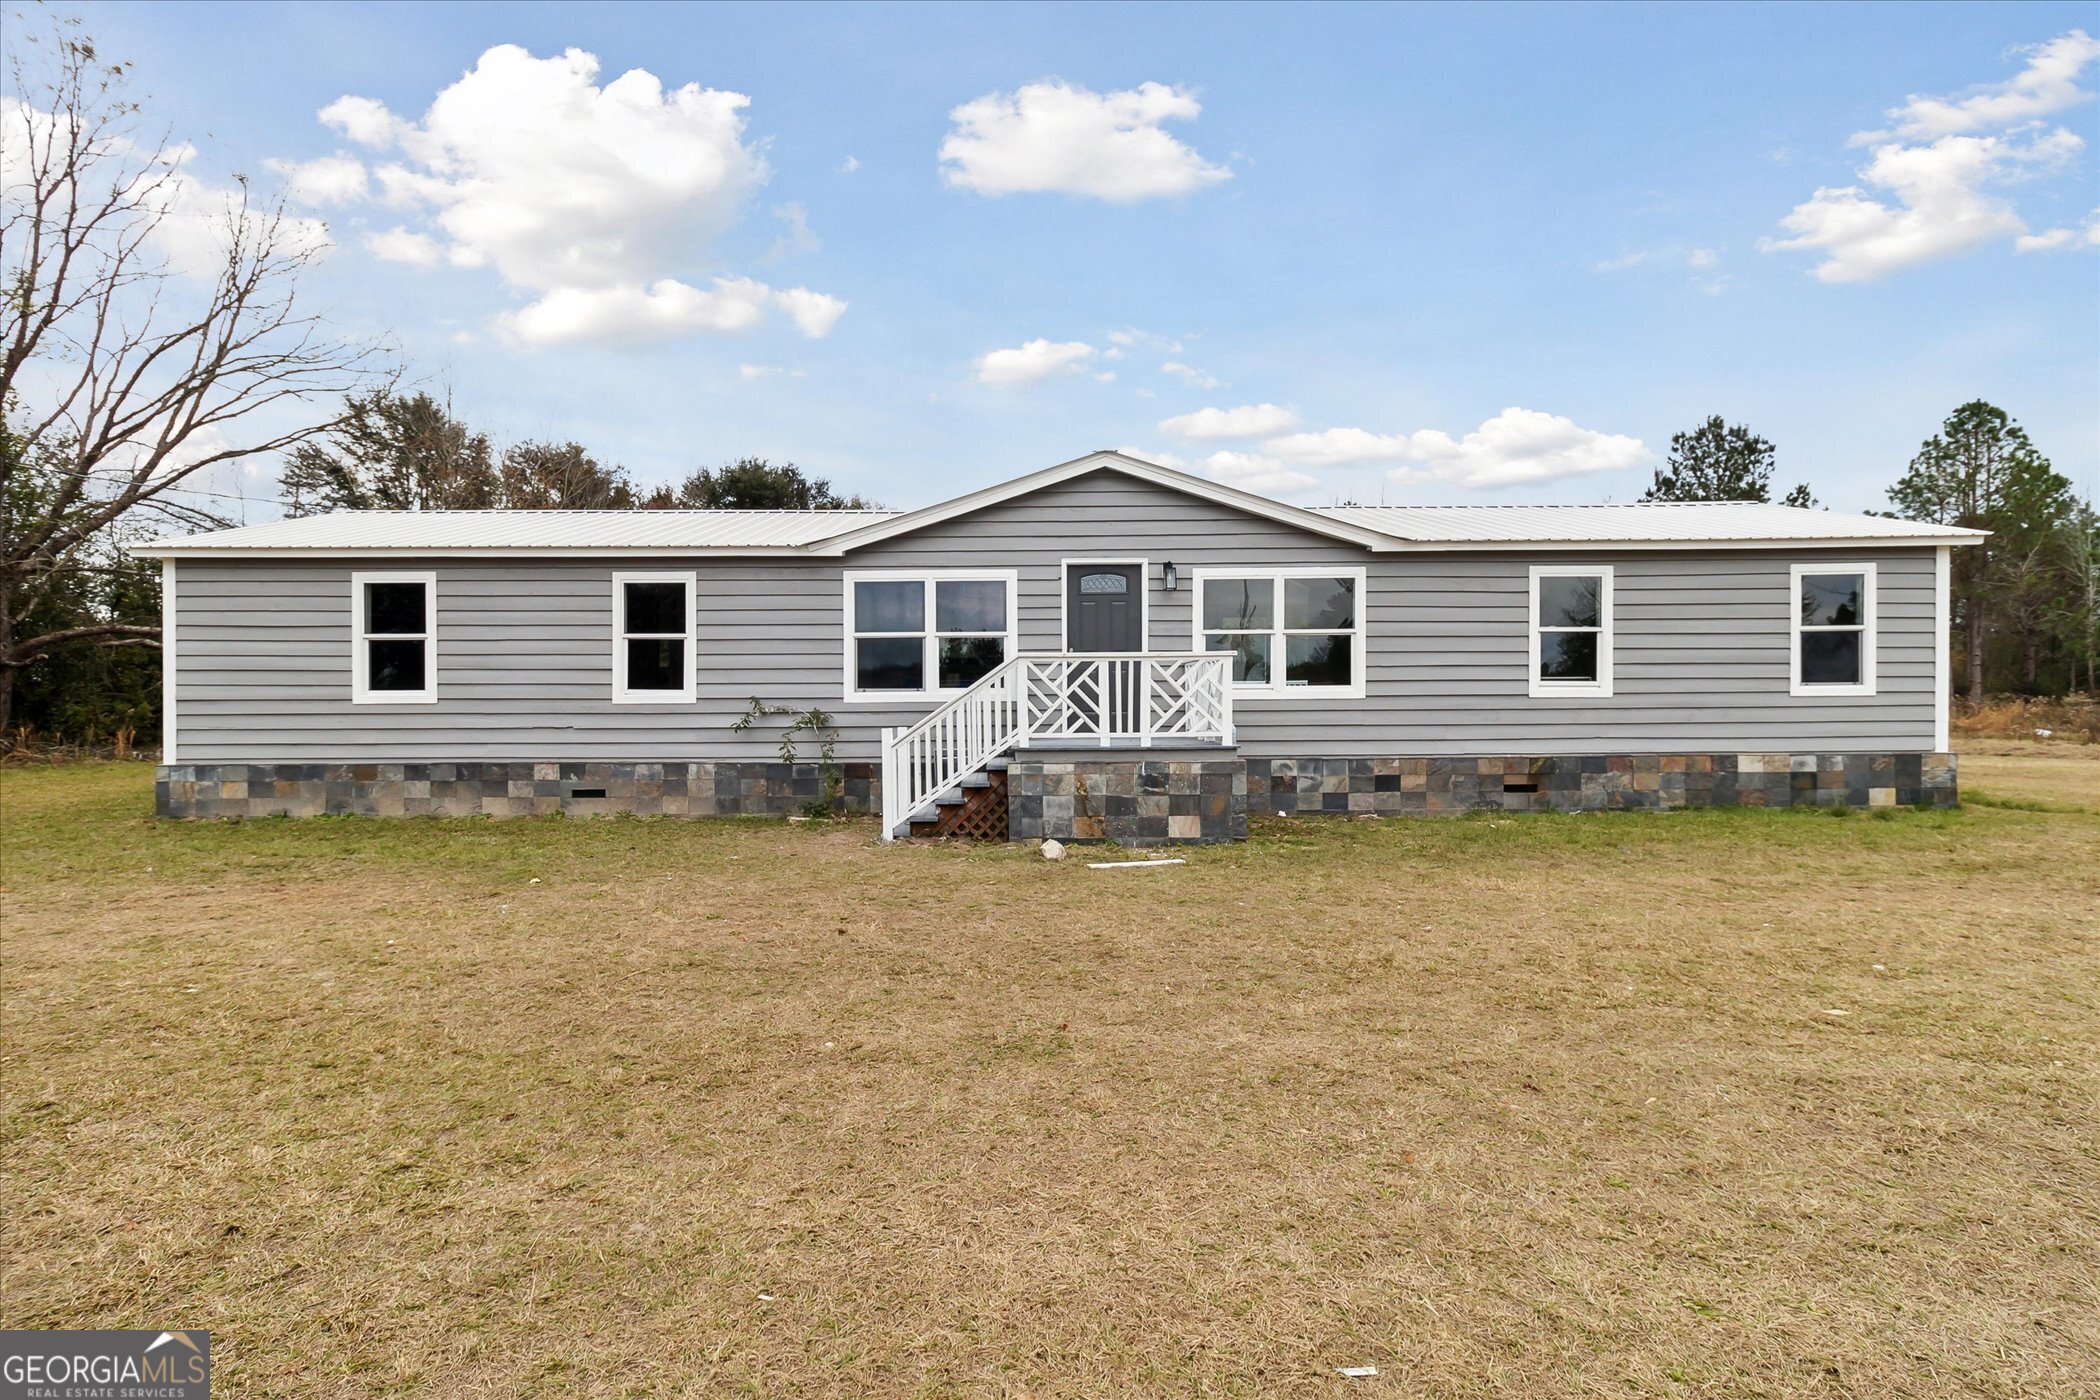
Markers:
point(1172, 576)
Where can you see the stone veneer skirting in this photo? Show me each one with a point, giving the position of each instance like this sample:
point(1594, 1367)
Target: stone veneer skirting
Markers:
point(506, 789)
point(1154, 800)
point(1164, 800)
point(1287, 787)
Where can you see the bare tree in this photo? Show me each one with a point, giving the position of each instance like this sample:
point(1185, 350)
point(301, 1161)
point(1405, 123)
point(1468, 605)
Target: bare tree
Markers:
point(123, 375)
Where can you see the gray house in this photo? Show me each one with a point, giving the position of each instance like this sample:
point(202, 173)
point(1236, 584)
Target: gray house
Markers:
point(1105, 649)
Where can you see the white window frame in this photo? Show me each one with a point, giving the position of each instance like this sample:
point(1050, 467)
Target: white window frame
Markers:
point(930, 653)
point(1869, 630)
point(621, 694)
point(1275, 688)
point(1545, 688)
point(361, 692)
point(1064, 597)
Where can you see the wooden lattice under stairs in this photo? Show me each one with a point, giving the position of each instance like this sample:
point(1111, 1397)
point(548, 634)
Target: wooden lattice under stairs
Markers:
point(976, 811)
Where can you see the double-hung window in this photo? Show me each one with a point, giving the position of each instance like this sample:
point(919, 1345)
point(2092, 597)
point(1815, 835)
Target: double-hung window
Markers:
point(1291, 631)
point(393, 630)
point(1833, 629)
point(1570, 630)
point(653, 638)
point(925, 634)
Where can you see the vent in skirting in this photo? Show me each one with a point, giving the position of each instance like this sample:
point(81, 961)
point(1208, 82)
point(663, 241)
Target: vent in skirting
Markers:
point(586, 792)
point(1520, 787)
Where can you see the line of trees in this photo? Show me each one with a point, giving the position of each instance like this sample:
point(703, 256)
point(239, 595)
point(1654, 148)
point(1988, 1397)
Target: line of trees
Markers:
point(395, 451)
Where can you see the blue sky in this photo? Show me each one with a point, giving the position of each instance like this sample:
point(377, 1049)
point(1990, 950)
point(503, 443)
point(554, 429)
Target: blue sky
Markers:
point(1364, 235)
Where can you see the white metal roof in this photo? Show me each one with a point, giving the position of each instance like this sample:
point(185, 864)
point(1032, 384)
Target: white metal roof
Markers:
point(1380, 529)
point(536, 531)
point(1652, 522)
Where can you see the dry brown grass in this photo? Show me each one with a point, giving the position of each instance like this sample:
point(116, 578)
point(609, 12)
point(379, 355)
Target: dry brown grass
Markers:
point(2070, 719)
point(1537, 1105)
point(2045, 775)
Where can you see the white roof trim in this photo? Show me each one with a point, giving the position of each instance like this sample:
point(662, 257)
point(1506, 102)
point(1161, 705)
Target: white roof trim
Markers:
point(827, 534)
point(1152, 472)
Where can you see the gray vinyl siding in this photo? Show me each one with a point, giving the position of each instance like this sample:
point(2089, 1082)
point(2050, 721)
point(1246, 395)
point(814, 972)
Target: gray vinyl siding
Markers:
point(525, 646)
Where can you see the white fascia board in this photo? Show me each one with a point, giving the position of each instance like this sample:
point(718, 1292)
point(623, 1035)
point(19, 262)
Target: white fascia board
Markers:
point(176, 549)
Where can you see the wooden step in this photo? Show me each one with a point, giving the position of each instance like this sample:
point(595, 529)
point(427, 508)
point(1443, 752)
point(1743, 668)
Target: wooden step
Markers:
point(975, 809)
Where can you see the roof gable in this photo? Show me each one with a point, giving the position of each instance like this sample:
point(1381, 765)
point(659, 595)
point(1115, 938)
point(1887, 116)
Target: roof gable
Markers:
point(1312, 522)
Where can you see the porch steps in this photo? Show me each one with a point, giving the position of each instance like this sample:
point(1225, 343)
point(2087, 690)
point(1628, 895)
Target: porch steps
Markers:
point(976, 810)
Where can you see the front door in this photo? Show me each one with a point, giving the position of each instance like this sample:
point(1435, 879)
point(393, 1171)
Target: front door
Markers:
point(1104, 607)
point(1105, 612)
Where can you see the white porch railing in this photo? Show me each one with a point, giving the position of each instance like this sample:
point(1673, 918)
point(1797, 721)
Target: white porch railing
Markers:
point(1105, 699)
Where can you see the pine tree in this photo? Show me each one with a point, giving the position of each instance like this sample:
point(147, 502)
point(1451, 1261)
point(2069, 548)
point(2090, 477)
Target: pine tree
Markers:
point(1981, 472)
point(1718, 461)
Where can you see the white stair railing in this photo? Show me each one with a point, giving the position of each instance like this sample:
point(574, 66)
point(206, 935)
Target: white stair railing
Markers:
point(1104, 699)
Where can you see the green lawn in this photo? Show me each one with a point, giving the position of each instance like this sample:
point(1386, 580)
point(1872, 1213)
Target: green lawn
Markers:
point(1710, 1103)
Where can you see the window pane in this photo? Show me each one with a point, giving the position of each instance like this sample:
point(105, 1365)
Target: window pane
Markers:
point(1104, 583)
point(1833, 600)
point(655, 607)
point(889, 607)
point(976, 605)
point(1317, 660)
point(656, 665)
point(1250, 661)
point(889, 663)
point(1319, 602)
point(1576, 601)
point(395, 665)
point(1830, 658)
point(1567, 656)
point(395, 608)
point(964, 660)
point(1239, 604)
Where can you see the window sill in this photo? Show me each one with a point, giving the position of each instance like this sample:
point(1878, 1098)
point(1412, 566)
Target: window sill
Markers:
point(1259, 694)
point(1802, 691)
point(899, 697)
point(1542, 690)
point(401, 698)
point(652, 697)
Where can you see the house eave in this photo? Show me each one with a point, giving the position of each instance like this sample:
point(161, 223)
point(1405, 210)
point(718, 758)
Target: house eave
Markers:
point(163, 549)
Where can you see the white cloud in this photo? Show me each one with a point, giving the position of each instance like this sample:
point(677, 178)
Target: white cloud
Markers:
point(582, 315)
point(1107, 376)
point(1623, 261)
point(1052, 137)
point(1252, 472)
point(849, 165)
point(1189, 374)
point(797, 236)
point(814, 313)
point(1248, 420)
point(1941, 206)
point(2048, 84)
point(757, 371)
point(1336, 446)
point(2057, 240)
point(334, 179)
point(1702, 257)
point(1516, 446)
point(591, 200)
point(404, 245)
point(1929, 189)
point(1033, 362)
point(365, 121)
